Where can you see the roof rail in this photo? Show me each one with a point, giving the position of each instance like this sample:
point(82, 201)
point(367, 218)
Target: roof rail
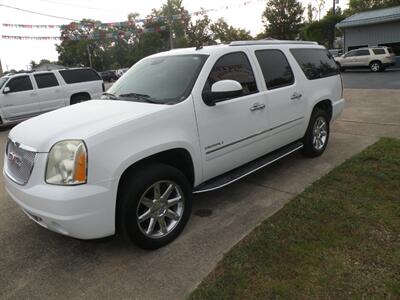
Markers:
point(270, 42)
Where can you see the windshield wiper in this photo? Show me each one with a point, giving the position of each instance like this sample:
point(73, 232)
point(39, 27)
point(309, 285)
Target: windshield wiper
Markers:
point(142, 97)
point(110, 96)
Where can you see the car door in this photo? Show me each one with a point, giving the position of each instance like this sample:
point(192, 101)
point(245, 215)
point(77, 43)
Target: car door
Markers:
point(233, 131)
point(285, 97)
point(49, 92)
point(19, 99)
point(361, 58)
point(348, 59)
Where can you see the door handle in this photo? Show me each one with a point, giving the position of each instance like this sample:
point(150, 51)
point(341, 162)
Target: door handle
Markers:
point(296, 96)
point(257, 106)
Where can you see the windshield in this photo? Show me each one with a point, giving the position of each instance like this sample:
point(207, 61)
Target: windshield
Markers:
point(164, 80)
point(3, 80)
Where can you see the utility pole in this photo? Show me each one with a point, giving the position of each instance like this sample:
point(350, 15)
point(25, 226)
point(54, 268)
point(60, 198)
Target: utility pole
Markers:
point(333, 24)
point(171, 41)
point(90, 55)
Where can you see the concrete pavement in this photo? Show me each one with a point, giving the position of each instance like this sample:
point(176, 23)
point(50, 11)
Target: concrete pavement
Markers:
point(36, 263)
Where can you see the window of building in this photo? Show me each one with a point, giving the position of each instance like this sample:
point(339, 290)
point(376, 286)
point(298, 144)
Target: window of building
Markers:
point(315, 63)
point(233, 66)
point(20, 84)
point(46, 80)
point(275, 68)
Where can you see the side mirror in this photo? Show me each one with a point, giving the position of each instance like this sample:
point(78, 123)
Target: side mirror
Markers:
point(221, 90)
point(6, 90)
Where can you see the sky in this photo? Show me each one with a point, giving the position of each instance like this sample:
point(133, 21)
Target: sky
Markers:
point(17, 54)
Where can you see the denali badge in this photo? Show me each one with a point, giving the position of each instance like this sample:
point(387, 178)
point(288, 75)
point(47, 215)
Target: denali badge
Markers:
point(14, 158)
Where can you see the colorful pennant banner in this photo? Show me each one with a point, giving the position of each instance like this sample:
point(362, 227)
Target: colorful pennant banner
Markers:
point(92, 36)
point(149, 19)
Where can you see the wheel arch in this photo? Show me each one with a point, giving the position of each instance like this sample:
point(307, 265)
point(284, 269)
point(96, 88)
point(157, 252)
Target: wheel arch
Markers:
point(325, 105)
point(179, 158)
point(77, 94)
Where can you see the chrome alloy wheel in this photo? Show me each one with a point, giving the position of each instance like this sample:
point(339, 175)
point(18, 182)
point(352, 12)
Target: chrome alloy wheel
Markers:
point(320, 133)
point(160, 209)
point(375, 67)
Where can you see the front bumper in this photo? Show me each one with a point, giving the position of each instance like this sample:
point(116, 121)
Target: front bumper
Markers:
point(83, 211)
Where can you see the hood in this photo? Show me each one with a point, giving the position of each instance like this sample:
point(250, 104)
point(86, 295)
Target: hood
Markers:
point(78, 121)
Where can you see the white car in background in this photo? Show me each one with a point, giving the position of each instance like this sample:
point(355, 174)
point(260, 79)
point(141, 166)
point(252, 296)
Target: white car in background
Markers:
point(26, 95)
point(377, 59)
point(179, 122)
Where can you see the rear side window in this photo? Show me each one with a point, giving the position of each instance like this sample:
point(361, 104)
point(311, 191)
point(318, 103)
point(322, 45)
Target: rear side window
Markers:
point(233, 66)
point(379, 51)
point(275, 68)
point(46, 80)
point(79, 75)
point(362, 53)
point(20, 84)
point(315, 63)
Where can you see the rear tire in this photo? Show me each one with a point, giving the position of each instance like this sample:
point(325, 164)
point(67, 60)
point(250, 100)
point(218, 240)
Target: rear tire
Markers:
point(375, 66)
point(317, 135)
point(154, 205)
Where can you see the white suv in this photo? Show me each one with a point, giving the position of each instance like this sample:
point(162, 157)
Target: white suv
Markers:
point(25, 95)
point(377, 59)
point(177, 123)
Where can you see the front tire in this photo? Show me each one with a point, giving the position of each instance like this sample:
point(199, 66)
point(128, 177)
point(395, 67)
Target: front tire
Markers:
point(155, 203)
point(317, 135)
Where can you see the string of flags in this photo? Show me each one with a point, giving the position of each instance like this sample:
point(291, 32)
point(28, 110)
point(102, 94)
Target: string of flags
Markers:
point(91, 36)
point(149, 19)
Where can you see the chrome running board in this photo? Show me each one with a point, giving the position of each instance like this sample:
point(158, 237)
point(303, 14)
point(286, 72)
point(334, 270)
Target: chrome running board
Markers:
point(251, 167)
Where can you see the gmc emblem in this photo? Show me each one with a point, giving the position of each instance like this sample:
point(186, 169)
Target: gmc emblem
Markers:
point(15, 158)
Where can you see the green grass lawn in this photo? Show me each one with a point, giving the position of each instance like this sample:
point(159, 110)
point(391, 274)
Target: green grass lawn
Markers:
point(339, 239)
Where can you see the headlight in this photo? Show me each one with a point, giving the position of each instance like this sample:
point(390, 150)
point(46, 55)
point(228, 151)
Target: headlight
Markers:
point(67, 163)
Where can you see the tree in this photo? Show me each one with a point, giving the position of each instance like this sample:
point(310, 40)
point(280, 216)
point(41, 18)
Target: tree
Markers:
point(310, 13)
point(198, 33)
point(356, 6)
point(225, 33)
point(321, 31)
point(282, 19)
point(320, 7)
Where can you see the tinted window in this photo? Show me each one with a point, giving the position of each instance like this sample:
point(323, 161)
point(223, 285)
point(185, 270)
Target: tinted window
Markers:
point(46, 80)
point(233, 66)
point(79, 75)
point(390, 50)
point(378, 51)
point(315, 63)
point(19, 84)
point(350, 54)
point(3, 80)
point(275, 68)
point(362, 52)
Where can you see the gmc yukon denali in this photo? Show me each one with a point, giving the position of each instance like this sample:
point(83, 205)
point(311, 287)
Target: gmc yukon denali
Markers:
point(177, 123)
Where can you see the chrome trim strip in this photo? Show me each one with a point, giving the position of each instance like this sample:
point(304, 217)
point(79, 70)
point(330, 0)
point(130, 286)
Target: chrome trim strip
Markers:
point(248, 173)
point(253, 135)
point(22, 146)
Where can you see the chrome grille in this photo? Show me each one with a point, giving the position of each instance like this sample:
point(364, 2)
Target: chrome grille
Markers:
point(19, 162)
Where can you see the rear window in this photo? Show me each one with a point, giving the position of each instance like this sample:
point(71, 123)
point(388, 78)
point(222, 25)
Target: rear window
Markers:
point(315, 63)
point(46, 80)
point(390, 50)
point(378, 51)
point(275, 68)
point(79, 75)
